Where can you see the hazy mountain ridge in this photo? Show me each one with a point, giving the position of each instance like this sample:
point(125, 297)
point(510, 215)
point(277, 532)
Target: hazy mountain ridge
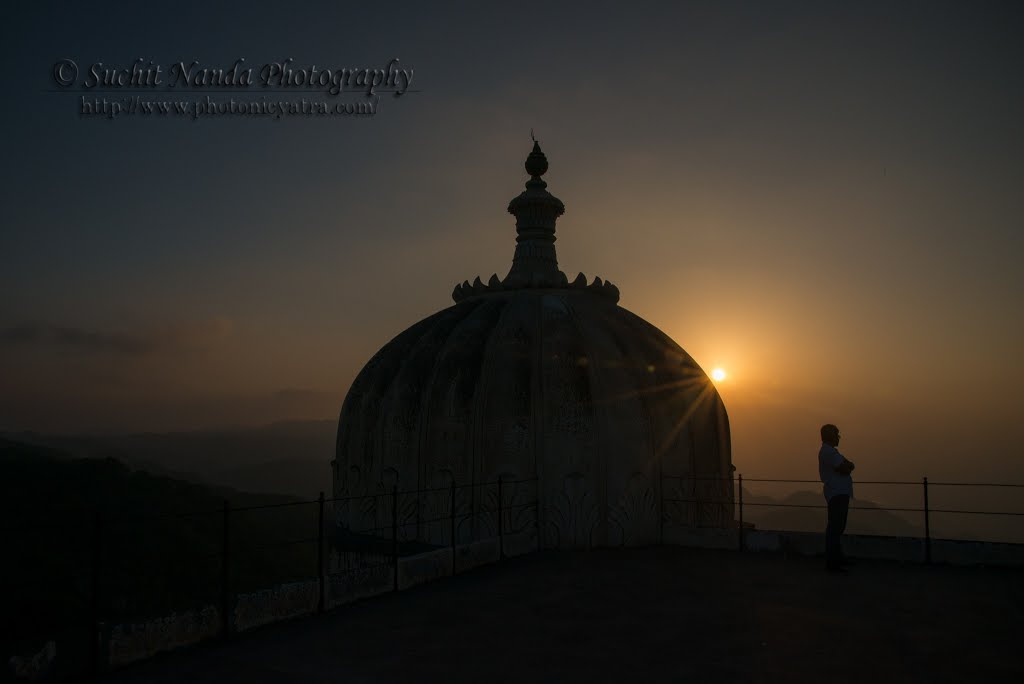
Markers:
point(39, 479)
point(154, 544)
point(291, 457)
point(761, 511)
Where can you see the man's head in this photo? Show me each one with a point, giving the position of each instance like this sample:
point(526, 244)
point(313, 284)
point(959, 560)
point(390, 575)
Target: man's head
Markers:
point(830, 434)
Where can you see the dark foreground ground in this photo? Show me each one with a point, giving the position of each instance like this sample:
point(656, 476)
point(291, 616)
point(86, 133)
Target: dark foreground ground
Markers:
point(644, 615)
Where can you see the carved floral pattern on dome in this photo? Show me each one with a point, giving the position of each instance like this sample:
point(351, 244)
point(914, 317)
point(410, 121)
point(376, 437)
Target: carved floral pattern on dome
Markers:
point(573, 514)
point(634, 518)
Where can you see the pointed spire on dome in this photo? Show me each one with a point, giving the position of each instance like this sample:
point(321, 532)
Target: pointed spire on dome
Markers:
point(535, 263)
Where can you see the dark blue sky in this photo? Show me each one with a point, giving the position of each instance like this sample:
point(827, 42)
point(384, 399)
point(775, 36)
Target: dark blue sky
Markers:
point(825, 200)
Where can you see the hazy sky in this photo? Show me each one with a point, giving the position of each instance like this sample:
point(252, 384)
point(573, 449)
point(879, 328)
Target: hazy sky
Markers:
point(824, 200)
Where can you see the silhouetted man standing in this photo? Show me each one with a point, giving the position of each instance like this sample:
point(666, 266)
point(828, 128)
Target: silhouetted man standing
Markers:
point(834, 471)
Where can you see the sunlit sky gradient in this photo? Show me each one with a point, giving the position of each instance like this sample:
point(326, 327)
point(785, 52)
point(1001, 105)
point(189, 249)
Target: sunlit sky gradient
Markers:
point(824, 201)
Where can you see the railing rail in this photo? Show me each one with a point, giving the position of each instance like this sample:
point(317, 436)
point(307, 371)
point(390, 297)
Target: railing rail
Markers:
point(926, 508)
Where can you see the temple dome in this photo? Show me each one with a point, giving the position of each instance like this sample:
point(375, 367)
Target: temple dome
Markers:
point(550, 385)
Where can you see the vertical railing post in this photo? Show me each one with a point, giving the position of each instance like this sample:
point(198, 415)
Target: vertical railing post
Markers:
point(536, 512)
point(394, 531)
point(474, 511)
point(501, 527)
point(225, 567)
point(661, 508)
point(927, 526)
point(320, 555)
point(94, 603)
point(697, 489)
point(741, 510)
point(453, 525)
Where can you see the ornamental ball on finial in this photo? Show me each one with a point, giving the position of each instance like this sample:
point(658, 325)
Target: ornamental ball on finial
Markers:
point(536, 163)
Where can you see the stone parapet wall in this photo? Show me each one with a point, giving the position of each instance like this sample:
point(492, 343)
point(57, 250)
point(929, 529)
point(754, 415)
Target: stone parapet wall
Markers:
point(135, 641)
point(278, 603)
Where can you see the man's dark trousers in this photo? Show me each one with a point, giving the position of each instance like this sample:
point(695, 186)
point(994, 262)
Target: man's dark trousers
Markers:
point(838, 507)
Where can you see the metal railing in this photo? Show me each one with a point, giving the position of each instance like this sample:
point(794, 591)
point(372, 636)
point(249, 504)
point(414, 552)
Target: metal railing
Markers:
point(736, 484)
point(134, 566)
point(221, 556)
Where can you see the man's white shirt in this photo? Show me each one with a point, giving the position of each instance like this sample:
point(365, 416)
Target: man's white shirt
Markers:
point(834, 483)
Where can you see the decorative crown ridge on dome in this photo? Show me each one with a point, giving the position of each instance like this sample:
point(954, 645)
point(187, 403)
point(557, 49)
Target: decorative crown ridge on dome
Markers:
point(535, 263)
point(603, 288)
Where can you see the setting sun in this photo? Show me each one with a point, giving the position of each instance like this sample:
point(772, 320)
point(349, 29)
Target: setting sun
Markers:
point(718, 375)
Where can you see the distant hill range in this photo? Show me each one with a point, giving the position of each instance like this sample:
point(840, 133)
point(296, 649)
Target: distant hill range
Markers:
point(282, 458)
point(293, 458)
point(804, 516)
point(149, 544)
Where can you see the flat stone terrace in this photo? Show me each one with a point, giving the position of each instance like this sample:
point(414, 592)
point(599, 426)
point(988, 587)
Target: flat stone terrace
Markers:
point(656, 614)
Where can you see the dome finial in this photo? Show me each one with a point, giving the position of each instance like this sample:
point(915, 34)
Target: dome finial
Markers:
point(535, 264)
point(536, 210)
